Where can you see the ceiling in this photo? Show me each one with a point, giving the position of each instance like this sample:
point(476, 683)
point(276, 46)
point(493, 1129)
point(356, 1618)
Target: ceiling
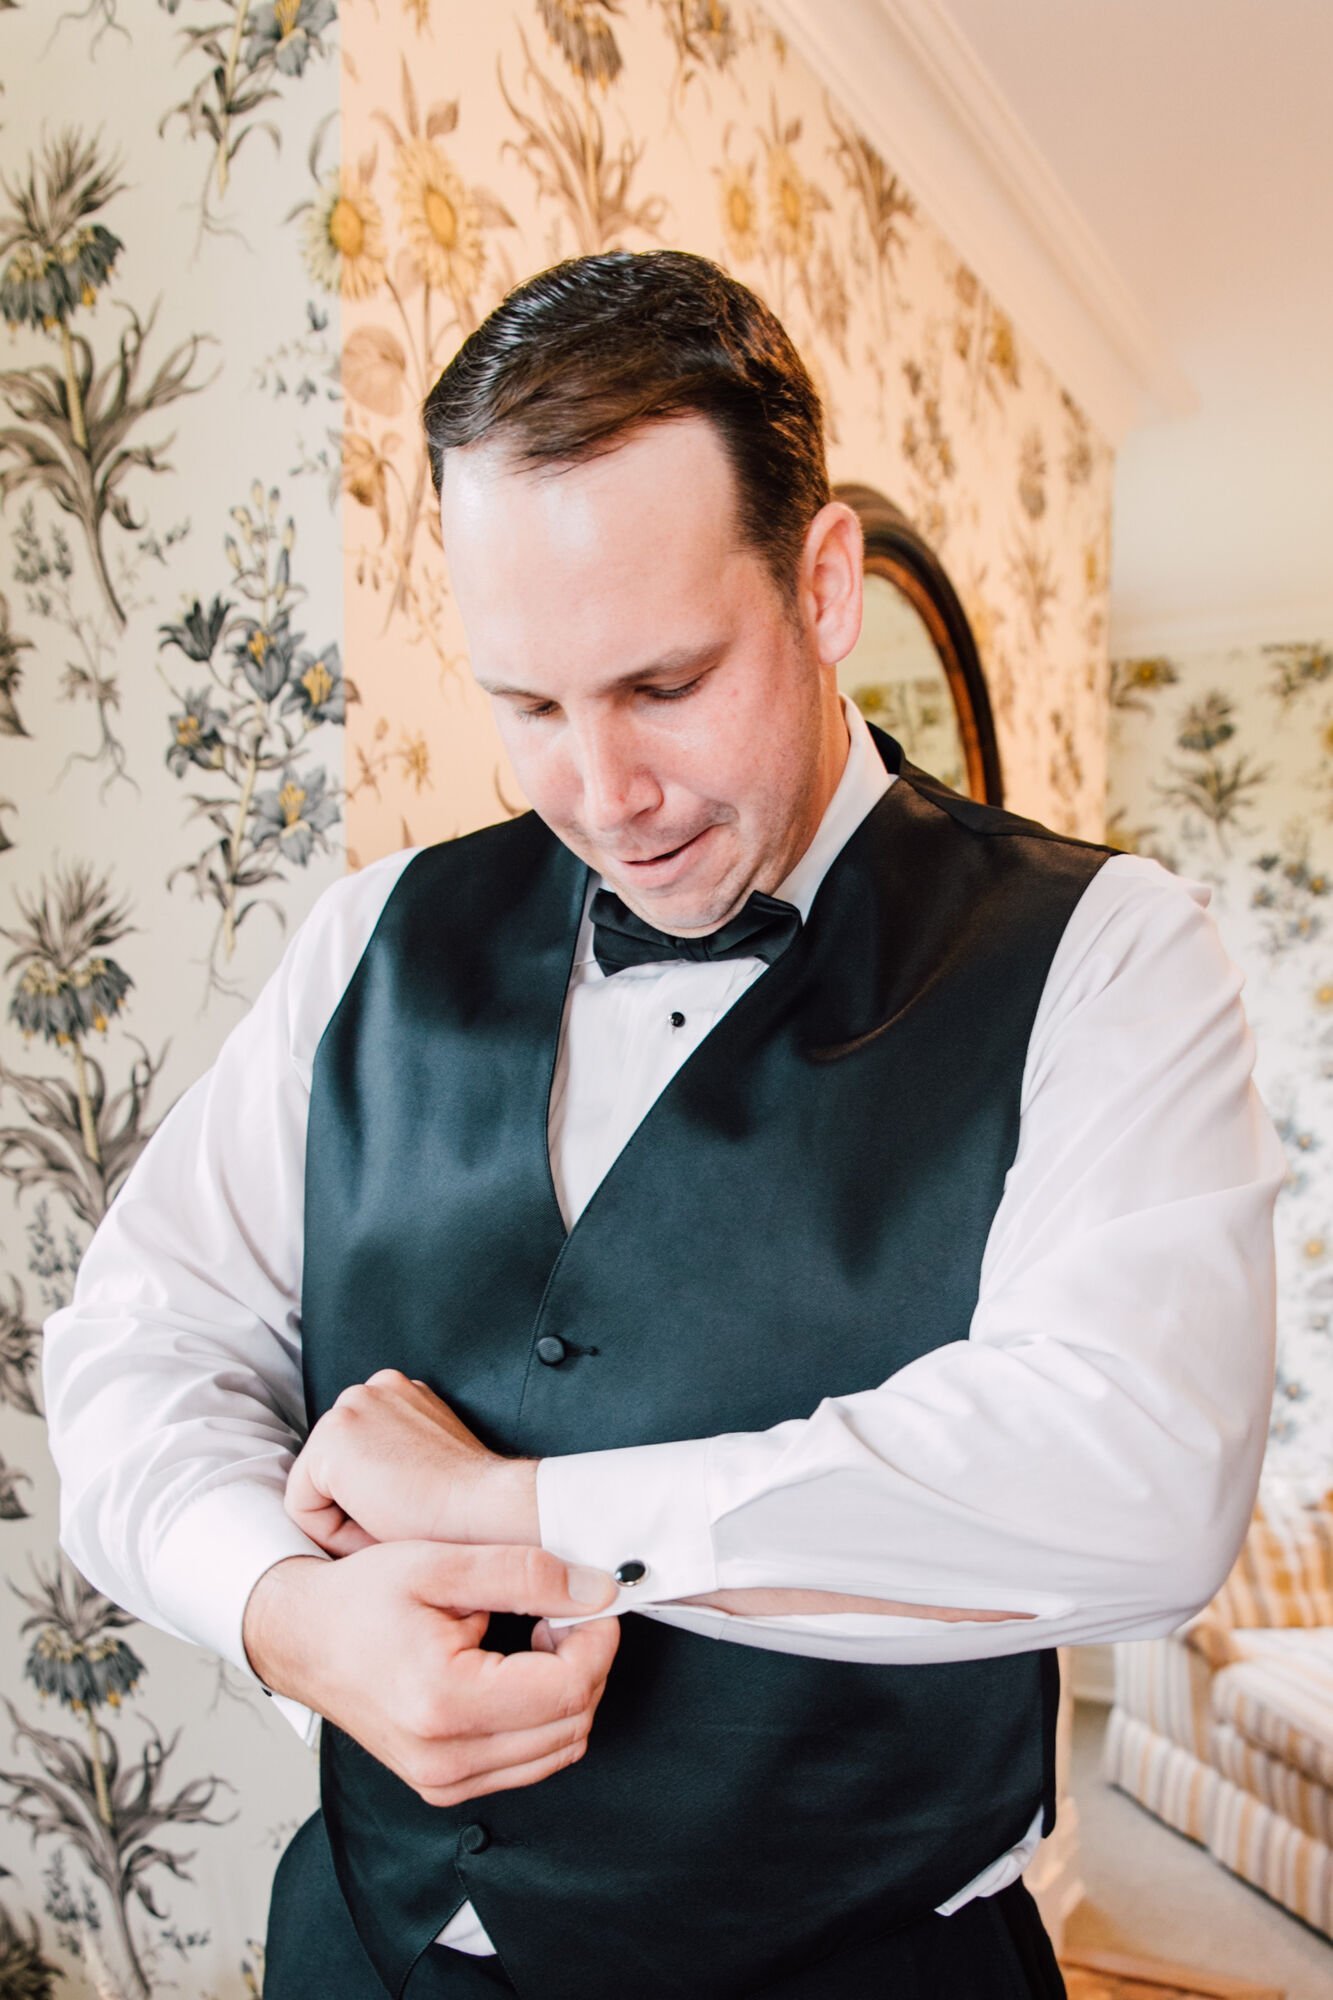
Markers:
point(1195, 137)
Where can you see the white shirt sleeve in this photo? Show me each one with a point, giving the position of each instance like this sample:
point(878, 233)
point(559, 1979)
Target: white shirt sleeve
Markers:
point(1088, 1454)
point(172, 1380)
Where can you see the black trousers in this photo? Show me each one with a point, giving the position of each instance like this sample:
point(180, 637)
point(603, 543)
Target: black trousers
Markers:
point(994, 1948)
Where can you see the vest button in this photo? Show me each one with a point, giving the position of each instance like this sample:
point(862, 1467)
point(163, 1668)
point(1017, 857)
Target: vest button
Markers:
point(473, 1838)
point(630, 1572)
point(551, 1349)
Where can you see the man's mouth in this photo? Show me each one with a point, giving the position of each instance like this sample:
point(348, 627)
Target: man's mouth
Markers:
point(665, 854)
point(662, 869)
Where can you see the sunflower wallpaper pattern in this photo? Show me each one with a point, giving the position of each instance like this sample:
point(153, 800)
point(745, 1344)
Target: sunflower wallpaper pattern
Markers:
point(237, 242)
point(471, 157)
point(1221, 767)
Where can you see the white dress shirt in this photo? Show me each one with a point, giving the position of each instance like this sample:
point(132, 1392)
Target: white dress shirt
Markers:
point(1085, 1453)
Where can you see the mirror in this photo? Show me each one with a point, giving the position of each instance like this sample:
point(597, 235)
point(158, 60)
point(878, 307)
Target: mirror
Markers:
point(915, 671)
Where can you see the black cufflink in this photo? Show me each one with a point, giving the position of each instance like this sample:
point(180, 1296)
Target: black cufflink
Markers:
point(630, 1572)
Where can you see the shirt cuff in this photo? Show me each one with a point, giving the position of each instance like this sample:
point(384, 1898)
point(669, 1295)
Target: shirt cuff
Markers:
point(211, 1558)
point(641, 1505)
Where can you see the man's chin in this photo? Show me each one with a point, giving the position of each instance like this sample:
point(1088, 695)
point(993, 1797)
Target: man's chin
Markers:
point(674, 914)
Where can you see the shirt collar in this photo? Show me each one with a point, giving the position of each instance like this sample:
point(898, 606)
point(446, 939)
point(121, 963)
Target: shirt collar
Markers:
point(863, 783)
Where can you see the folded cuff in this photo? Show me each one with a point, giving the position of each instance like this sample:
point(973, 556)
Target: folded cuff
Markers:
point(643, 1504)
point(211, 1558)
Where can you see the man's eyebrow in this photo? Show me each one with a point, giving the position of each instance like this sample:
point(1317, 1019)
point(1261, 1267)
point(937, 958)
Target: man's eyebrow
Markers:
point(683, 659)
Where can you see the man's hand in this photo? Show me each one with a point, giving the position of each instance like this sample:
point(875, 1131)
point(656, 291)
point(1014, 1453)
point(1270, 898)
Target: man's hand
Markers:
point(386, 1644)
point(389, 1461)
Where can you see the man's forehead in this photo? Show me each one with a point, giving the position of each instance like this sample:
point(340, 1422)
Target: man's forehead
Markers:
point(496, 472)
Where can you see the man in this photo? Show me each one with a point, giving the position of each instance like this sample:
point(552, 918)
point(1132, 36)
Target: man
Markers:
point(827, 1214)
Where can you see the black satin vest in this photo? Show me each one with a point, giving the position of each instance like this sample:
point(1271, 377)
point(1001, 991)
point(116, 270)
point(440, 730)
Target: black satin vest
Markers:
point(802, 1212)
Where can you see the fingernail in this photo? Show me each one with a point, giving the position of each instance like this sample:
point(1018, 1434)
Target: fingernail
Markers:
point(590, 1586)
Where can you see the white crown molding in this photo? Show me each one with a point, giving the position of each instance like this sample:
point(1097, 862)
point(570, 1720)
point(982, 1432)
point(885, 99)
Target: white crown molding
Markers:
point(922, 97)
point(1185, 634)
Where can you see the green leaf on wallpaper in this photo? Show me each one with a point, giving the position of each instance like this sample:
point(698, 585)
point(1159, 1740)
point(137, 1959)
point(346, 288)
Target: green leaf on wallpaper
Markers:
point(441, 119)
point(375, 369)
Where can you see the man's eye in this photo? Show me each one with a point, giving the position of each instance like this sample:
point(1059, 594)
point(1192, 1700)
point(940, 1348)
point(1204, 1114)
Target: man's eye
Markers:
point(673, 693)
point(537, 714)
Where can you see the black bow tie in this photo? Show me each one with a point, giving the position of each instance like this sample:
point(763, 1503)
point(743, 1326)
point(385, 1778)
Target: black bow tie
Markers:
point(763, 929)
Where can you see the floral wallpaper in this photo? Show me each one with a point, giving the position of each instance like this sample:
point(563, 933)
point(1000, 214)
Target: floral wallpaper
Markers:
point(171, 801)
point(472, 155)
point(237, 243)
point(1221, 767)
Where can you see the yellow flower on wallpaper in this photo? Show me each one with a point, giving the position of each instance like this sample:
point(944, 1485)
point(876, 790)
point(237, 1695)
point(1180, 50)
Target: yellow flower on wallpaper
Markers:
point(740, 212)
point(791, 202)
point(344, 236)
point(440, 219)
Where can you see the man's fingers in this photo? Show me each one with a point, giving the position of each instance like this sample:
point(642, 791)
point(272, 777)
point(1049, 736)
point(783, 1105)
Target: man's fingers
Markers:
point(508, 1578)
point(505, 1781)
point(497, 1692)
point(314, 1511)
point(472, 1758)
point(590, 1648)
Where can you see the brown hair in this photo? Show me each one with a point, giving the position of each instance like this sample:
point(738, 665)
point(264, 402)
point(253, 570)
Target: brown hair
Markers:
point(585, 352)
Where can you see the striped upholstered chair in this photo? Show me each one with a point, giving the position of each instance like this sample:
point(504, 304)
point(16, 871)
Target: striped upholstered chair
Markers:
point(1225, 1729)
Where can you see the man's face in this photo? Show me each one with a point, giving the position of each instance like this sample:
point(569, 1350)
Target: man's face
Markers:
point(666, 715)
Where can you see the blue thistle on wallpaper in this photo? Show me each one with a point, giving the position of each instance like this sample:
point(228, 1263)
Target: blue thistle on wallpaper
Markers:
point(75, 423)
point(58, 259)
point(266, 693)
point(79, 1140)
point(102, 1808)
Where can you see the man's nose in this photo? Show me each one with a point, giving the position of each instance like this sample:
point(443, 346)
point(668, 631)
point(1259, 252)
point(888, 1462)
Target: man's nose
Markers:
point(617, 783)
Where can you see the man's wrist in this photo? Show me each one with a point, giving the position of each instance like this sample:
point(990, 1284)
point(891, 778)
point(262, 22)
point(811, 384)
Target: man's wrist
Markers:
point(271, 1624)
point(509, 1505)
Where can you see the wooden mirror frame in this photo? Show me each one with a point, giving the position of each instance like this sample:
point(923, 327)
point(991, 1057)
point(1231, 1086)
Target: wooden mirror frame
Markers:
point(895, 550)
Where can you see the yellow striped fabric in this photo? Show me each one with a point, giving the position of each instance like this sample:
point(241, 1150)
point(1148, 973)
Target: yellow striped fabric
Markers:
point(1283, 1576)
point(1282, 1703)
point(1305, 1804)
point(1165, 1685)
point(1267, 1851)
point(1225, 1729)
point(1163, 1776)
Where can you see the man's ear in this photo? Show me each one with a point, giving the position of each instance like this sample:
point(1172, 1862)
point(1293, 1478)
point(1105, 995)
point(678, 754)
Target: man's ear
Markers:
point(831, 579)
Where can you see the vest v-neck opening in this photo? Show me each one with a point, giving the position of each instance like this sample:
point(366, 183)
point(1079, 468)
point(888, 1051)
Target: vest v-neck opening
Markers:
point(797, 951)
